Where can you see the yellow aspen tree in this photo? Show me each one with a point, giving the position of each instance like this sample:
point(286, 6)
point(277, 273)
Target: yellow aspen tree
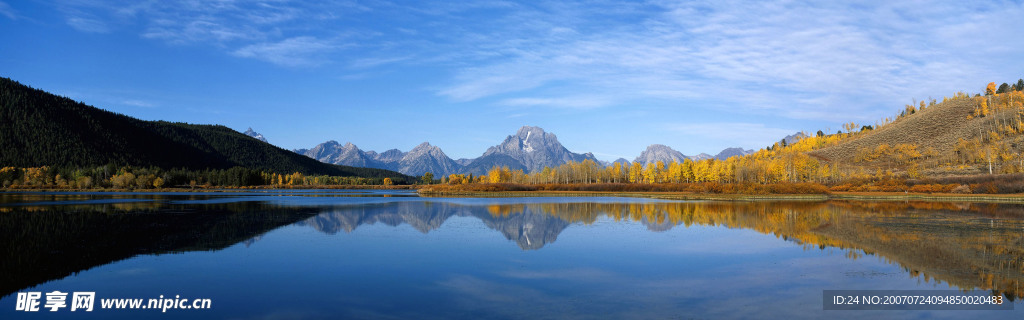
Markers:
point(636, 172)
point(494, 175)
point(659, 172)
point(716, 172)
point(649, 173)
point(675, 172)
point(702, 171)
point(687, 170)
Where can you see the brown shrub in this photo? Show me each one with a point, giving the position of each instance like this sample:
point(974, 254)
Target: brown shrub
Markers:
point(963, 188)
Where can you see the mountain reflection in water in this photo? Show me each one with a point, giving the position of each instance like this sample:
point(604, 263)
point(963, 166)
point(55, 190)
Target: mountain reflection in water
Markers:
point(969, 246)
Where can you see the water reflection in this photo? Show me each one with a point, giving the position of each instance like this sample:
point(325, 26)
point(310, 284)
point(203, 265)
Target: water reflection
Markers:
point(529, 228)
point(969, 246)
point(46, 243)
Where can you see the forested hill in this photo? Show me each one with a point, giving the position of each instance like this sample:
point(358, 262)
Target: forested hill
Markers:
point(38, 128)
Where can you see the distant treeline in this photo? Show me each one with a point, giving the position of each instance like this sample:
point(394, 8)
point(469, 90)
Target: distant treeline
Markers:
point(127, 177)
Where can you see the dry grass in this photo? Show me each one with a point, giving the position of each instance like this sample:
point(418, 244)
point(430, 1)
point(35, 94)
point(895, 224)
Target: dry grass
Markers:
point(938, 127)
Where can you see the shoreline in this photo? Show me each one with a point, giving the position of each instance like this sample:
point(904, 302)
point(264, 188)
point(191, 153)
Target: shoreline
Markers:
point(863, 196)
point(214, 189)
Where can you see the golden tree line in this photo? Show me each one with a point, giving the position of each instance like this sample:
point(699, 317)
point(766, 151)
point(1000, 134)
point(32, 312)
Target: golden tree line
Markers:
point(127, 177)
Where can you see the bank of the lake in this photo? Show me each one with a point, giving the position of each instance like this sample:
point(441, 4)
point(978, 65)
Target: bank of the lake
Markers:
point(220, 189)
point(426, 192)
point(866, 196)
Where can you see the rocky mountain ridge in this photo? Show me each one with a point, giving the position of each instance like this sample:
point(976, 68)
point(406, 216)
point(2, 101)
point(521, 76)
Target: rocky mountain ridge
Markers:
point(530, 149)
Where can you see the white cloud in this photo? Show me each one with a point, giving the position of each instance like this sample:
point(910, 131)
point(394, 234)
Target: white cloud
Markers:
point(138, 103)
point(292, 52)
point(826, 61)
point(199, 31)
point(88, 25)
point(830, 61)
point(281, 32)
point(574, 274)
point(580, 102)
point(377, 61)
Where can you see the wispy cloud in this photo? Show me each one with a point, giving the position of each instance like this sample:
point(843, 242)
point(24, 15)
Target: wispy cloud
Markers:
point(88, 25)
point(7, 11)
point(829, 61)
point(794, 59)
point(199, 31)
point(138, 103)
point(576, 274)
point(293, 52)
point(281, 32)
point(580, 102)
point(365, 63)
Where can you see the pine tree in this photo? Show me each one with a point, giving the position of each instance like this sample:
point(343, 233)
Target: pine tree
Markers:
point(1003, 88)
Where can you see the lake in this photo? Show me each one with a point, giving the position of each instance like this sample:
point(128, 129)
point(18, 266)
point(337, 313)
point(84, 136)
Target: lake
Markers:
point(363, 254)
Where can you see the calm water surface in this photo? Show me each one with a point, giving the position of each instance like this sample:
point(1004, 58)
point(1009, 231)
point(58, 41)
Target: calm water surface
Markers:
point(323, 254)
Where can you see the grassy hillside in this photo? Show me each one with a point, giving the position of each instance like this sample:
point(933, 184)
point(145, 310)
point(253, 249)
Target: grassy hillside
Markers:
point(937, 127)
point(962, 135)
point(41, 129)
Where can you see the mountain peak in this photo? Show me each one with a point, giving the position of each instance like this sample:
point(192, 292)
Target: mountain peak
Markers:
point(790, 139)
point(524, 130)
point(424, 145)
point(254, 134)
point(702, 156)
point(427, 158)
point(532, 148)
point(423, 158)
point(660, 152)
point(657, 146)
point(424, 148)
point(732, 152)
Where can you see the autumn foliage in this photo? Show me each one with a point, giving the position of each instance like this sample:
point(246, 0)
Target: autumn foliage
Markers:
point(695, 187)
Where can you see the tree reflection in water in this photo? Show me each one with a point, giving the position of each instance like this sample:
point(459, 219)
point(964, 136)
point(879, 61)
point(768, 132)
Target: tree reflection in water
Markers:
point(970, 246)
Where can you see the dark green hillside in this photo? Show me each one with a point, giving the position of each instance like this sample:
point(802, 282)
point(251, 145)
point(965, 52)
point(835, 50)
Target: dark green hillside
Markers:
point(38, 128)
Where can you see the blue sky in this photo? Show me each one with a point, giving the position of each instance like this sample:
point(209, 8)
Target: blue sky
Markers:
point(608, 77)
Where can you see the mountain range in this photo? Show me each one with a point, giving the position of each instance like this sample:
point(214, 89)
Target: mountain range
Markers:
point(421, 159)
point(530, 149)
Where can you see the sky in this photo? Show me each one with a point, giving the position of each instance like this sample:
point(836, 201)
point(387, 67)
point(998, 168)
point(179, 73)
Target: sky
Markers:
point(608, 77)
